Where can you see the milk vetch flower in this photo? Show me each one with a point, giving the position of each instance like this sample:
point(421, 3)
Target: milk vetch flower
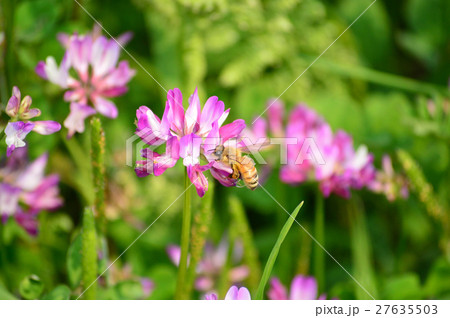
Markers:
point(20, 112)
point(302, 288)
point(25, 190)
point(191, 135)
point(91, 74)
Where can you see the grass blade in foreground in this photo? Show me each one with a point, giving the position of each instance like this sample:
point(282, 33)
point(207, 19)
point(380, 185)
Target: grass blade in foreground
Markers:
point(273, 255)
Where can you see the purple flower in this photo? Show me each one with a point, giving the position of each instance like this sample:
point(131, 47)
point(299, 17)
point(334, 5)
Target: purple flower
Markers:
point(192, 135)
point(211, 266)
point(99, 76)
point(25, 190)
point(234, 293)
point(19, 126)
point(314, 153)
point(302, 288)
point(344, 168)
point(148, 286)
point(391, 184)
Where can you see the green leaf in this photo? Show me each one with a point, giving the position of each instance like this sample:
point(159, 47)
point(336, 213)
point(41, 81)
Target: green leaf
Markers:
point(31, 287)
point(127, 290)
point(273, 255)
point(5, 294)
point(74, 262)
point(61, 292)
point(437, 284)
point(403, 287)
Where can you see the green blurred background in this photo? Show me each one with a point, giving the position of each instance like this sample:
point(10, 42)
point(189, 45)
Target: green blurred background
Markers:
point(375, 82)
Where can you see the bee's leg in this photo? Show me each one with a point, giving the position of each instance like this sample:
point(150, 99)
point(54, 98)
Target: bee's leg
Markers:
point(236, 174)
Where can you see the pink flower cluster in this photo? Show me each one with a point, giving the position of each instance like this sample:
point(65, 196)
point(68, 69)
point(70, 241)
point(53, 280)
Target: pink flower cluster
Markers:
point(20, 124)
point(302, 288)
point(234, 293)
point(25, 190)
point(191, 135)
point(93, 58)
point(314, 152)
point(393, 185)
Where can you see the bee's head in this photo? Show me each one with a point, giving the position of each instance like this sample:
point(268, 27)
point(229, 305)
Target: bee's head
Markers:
point(218, 152)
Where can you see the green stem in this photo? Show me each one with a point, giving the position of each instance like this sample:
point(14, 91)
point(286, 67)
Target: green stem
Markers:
point(381, 78)
point(242, 230)
point(185, 238)
point(4, 261)
point(319, 234)
point(6, 63)
point(361, 252)
point(89, 255)
point(200, 229)
point(98, 171)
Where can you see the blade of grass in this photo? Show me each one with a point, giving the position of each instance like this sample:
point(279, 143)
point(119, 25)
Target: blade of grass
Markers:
point(273, 255)
point(381, 78)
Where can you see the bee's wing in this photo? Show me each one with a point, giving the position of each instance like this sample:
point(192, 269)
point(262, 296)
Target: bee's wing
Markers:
point(248, 146)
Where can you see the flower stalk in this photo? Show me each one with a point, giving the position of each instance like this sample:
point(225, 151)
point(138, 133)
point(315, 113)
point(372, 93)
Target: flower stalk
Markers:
point(98, 171)
point(180, 292)
point(200, 229)
point(89, 255)
point(319, 231)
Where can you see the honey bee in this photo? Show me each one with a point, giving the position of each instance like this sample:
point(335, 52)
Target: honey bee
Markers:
point(243, 166)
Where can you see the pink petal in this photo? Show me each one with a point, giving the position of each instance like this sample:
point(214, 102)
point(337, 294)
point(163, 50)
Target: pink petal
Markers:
point(120, 76)
point(46, 127)
point(31, 113)
point(9, 199)
point(190, 149)
point(244, 294)
point(108, 58)
point(12, 108)
point(124, 38)
point(276, 114)
point(232, 130)
point(197, 177)
point(75, 121)
point(176, 114)
point(40, 70)
point(174, 252)
point(105, 107)
point(277, 291)
point(211, 296)
point(15, 134)
point(303, 288)
point(32, 176)
point(192, 116)
point(28, 222)
point(232, 293)
point(212, 111)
